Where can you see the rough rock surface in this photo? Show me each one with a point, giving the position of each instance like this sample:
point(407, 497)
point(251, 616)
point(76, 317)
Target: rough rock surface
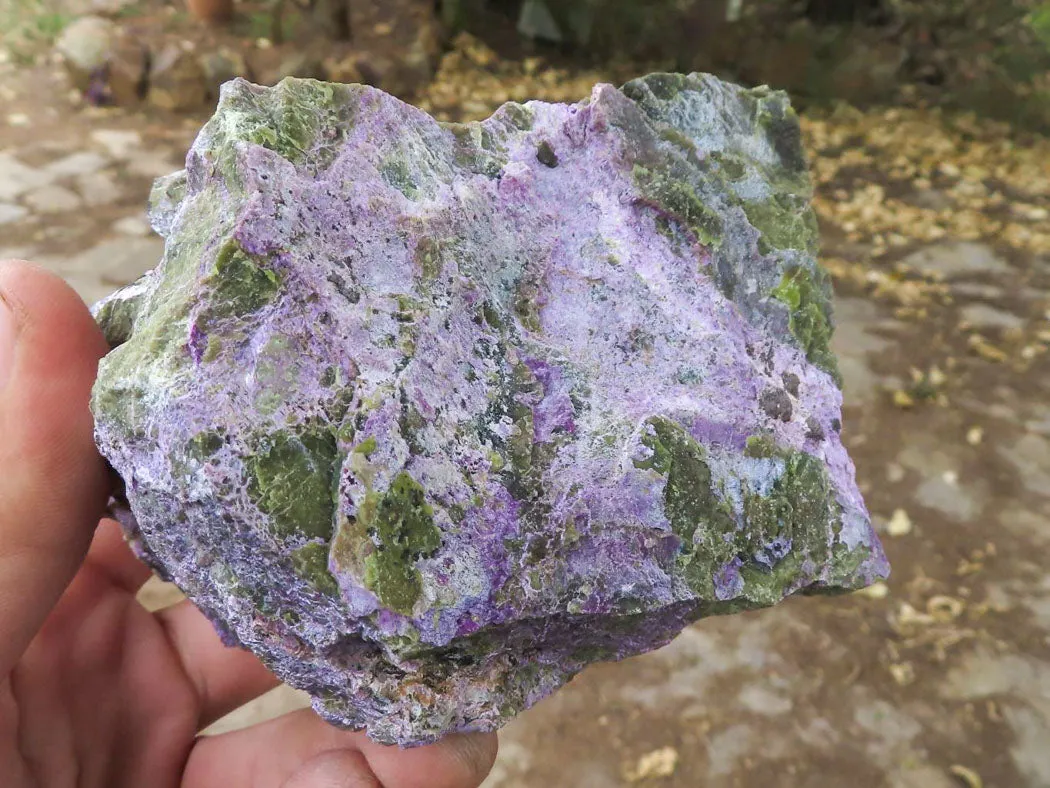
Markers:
point(431, 416)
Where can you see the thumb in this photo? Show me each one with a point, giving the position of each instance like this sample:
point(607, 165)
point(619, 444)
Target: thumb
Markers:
point(53, 483)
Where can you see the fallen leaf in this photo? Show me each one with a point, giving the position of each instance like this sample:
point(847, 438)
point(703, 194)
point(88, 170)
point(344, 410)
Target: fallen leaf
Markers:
point(903, 673)
point(908, 616)
point(902, 399)
point(878, 590)
point(944, 608)
point(994, 713)
point(899, 524)
point(658, 763)
point(966, 776)
point(986, 350)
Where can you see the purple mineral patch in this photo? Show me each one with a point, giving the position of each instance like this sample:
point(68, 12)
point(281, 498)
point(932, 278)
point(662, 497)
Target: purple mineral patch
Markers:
point(431, 416)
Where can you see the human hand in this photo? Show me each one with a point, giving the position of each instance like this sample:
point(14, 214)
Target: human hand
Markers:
point(95, 691)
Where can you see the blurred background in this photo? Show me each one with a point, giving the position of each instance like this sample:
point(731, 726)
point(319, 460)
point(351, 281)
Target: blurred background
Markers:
point(925, 123)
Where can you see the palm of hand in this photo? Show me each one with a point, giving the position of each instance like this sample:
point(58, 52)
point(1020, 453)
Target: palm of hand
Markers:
point(101, 696)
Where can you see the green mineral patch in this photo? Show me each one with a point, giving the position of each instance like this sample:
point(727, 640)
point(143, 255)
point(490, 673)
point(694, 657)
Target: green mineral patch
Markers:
point(780, 124)
point(760, 447)
point(797, 508)
point(678, 139)
point(806, 294)
point(732, 167)
point(297, 119)
point(796, 511)
point(240, 284)
point(290, 478)
point(366, 447)
point(689, 497)
point(491, 315)
point(412, 424)
point(681, 203)
point(204, 445)
point(166, 193)
point(519, 459)
point(160, 330)
point(523, 382)
point(212, 350)
point(844, 566)
point(665, 86)
point(428, 257)
point(526, 303)
point(396, 173)
point(517, 115)
point(475, 149)
point(117, 319)
point(785, 221)
point(390, 532)
point(698, 516)
point(311, 563)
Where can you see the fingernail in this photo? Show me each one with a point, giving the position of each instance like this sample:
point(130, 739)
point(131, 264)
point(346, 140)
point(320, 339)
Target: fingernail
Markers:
point(7, 341)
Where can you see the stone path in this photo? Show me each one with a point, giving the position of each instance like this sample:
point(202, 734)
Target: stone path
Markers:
point(940, 678)
point(80, 210)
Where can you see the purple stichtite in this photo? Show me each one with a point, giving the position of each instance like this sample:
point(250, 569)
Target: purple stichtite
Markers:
point(430, 416)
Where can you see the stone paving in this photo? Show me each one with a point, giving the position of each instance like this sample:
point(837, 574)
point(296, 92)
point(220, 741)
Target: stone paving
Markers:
point(941, 678)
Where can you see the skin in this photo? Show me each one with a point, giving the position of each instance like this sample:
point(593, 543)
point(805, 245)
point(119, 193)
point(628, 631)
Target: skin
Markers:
point(94, 689)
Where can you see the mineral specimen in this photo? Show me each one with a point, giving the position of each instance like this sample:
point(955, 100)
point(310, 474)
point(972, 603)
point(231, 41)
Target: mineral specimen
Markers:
point(430, 416)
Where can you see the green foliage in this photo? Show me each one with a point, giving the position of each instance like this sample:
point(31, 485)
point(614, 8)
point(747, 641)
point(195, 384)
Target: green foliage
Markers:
point(259, 24)
point(27, 27)
point(1039, 22)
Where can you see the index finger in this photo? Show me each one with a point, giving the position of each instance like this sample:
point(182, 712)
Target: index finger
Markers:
point(53, 483)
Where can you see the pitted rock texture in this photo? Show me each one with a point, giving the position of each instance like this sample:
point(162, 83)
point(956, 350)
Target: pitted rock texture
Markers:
point(430, 416)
